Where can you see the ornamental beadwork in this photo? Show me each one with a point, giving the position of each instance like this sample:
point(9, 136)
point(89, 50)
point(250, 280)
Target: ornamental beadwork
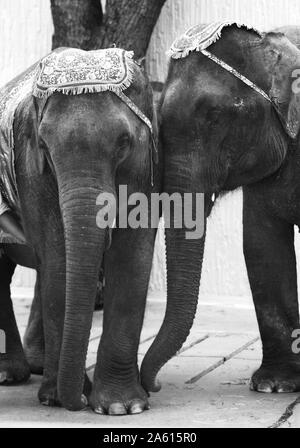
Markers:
point(73, 71)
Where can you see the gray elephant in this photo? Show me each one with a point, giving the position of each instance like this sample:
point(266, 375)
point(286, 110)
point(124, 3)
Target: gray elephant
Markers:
point(85, 126)
point(230, 117)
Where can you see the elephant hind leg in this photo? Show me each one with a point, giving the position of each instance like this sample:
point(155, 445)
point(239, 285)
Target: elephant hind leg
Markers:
point(34, 344)
point(34, 341)
point(13, 365)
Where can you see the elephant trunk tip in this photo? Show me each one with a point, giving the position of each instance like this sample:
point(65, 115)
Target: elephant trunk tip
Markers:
point(149, 380)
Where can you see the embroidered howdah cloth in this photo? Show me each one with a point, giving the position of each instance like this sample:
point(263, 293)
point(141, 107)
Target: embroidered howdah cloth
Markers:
point(72, 71)
point(200, 37)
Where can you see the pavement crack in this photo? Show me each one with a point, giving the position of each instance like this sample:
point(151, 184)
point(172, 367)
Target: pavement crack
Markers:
point(222, 361)
point(184, 349)
point(288, 413)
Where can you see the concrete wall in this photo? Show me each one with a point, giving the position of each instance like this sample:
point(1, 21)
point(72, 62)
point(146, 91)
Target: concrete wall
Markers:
point(25, 35)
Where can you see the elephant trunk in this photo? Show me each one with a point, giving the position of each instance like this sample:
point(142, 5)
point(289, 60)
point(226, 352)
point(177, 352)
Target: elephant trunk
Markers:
point(184, 264)
point(84, 243)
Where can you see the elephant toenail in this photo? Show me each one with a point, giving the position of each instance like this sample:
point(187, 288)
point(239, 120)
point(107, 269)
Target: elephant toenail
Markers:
point(99, 410)
point(84, 400)
point(285, 388)
point(117, 409)
point(137, 407)
point(3, 377)
point(45, 402)
point(265, 387)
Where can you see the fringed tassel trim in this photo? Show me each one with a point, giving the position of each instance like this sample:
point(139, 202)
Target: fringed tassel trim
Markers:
point(175, 53)
point(79, 90)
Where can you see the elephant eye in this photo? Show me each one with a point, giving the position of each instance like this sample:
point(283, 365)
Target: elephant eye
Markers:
point(213, 116)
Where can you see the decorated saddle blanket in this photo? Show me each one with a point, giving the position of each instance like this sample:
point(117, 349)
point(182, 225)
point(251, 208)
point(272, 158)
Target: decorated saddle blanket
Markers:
point(200, 37)
point(73, 71)
point(69, 71)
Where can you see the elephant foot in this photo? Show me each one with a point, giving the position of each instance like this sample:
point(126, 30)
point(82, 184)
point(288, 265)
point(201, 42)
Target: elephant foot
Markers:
point(48, 395)
point(13, 370)
point(118, 400)
point(276, 379)
point(35, 359)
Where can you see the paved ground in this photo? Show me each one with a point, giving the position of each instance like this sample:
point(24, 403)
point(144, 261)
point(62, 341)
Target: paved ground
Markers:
point(205, 386)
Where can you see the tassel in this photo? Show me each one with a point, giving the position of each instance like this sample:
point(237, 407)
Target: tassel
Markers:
point(196, 41)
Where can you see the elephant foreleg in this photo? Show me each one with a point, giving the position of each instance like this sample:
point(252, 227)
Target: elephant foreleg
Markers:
point(13, 365)
point(271, 265)
point(117, 389)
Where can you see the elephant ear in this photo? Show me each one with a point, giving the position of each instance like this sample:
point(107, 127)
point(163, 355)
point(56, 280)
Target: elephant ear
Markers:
point(293, 121)
point(285, 88)
point(35, 155)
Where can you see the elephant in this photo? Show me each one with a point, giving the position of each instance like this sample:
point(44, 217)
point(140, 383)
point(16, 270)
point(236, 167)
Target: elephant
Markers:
point(229, 118)
point(68, 150)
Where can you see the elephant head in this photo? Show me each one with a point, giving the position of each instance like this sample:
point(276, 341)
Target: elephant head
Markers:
point(218, 133)
point(91, 143)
